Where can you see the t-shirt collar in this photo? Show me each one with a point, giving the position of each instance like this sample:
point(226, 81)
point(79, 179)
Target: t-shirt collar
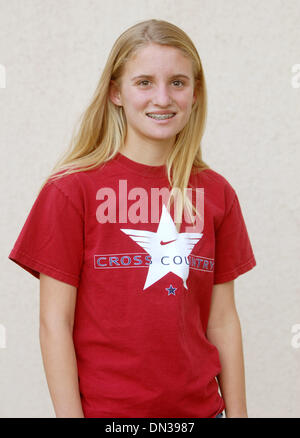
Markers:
point(142, 169)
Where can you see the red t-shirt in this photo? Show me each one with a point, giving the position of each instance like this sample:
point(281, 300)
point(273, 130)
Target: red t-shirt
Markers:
point(143, 290)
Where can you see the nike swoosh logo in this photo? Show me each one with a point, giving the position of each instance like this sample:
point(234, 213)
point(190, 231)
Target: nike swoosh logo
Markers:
point(165, 243)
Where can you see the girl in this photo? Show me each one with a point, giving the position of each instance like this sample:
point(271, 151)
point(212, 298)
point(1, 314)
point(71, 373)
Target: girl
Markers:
point(137, 311)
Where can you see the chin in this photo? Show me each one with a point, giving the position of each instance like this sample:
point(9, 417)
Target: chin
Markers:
point(161, 132)
point(161, 137)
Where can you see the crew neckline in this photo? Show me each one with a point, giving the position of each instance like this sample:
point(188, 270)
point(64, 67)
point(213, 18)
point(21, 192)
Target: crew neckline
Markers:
point(142, 169)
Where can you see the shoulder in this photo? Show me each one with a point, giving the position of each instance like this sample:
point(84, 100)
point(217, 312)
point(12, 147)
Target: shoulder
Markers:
point(214, 176)
point(215, 186)
point(78, 184)
point(66, 188)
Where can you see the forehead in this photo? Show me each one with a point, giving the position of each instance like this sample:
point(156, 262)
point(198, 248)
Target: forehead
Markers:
point(146, 60)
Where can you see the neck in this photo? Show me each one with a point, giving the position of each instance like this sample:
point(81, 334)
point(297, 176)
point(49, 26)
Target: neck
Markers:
point(147, 152)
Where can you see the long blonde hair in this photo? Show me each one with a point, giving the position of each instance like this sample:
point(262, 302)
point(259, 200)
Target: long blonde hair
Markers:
point(103, 125)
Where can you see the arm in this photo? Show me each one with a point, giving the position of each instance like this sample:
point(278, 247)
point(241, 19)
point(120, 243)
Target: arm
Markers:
point(57, 306)
point(224, 331)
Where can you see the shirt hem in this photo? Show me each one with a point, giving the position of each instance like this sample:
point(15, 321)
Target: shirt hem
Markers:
point(90, 413)
point(93, 414)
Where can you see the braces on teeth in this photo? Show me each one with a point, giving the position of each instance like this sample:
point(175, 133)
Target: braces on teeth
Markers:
point(160, 116)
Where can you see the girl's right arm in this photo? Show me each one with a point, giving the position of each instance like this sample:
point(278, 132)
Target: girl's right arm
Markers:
point(57, 307)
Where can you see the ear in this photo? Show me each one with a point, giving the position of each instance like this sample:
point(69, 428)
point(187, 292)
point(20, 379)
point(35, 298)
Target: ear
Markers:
point(114, 93)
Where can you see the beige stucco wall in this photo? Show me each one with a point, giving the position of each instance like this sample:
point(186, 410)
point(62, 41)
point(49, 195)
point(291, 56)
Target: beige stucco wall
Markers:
point(52, 53)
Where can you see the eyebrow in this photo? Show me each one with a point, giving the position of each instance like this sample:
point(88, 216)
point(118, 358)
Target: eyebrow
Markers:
point(180, 75)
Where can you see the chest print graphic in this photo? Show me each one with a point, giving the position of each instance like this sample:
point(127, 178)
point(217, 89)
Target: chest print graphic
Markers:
point(171, 290)
point(168, 249)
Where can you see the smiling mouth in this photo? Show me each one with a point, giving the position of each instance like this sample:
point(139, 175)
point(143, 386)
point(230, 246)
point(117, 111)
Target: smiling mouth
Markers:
point(161, 116)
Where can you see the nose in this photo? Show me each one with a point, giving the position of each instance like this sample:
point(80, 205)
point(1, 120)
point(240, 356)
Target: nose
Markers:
point(161, 96)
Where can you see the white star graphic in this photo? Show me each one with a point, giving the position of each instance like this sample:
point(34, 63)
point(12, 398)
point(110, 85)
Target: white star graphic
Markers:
point(167, 248)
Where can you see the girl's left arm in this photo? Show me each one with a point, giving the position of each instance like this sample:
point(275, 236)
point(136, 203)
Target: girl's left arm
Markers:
point(224, 331)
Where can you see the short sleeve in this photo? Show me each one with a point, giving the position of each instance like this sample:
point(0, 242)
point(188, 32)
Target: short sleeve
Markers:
point(51, 240)
point(233, 251)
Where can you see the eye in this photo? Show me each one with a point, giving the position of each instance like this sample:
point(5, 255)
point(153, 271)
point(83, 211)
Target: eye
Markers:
point(146, 81)
point(182, 83)
point(139, 83)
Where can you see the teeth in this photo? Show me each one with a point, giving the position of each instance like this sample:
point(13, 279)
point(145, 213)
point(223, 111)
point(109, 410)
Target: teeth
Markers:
point(160, 116)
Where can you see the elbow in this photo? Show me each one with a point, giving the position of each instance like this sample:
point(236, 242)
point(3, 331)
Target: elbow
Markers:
point(54, 328)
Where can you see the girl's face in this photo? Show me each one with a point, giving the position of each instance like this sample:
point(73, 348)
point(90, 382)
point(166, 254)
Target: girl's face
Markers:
point(157, 79)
